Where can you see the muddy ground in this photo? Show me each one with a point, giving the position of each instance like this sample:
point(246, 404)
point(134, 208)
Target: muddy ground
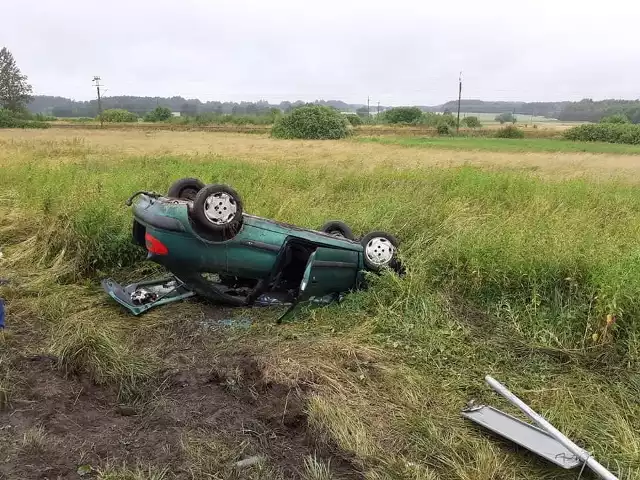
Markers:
point(204, 415)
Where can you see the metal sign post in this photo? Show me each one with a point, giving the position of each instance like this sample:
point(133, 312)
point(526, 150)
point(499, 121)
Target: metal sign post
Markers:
point(551, 430)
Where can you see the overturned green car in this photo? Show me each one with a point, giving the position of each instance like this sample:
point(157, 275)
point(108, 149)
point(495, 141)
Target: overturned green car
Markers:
point(213, 249)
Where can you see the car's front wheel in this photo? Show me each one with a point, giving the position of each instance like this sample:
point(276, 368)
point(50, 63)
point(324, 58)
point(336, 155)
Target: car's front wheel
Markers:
point(218, 209)
point(380, 251)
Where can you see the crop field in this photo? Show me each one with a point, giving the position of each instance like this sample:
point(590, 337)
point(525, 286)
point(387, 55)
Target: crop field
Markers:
point(522, 263)
point(505, 144)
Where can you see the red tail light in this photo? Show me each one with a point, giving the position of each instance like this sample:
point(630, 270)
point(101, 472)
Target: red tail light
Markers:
point(154, 245)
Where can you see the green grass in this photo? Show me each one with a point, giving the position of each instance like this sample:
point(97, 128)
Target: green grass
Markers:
point(508, 275)
point(504, 144)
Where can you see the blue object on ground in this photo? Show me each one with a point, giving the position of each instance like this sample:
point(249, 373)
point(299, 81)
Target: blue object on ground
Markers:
point(1, 313)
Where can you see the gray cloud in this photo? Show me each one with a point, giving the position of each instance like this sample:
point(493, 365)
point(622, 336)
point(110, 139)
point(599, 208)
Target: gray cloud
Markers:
point(398, 52)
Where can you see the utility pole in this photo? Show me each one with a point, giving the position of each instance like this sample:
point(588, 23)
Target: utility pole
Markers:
point(96, 79)
point(459, 98)
point(368, 111)
point(378, 113)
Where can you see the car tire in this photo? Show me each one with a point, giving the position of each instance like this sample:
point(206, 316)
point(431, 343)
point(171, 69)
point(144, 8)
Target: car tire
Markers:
point(380, 250)
point(185, 188)
point(338, 229)
point(218, 209)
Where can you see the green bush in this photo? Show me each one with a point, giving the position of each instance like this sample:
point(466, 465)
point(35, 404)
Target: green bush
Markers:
point(118, 115)
point(443, 129)
point(605, 132)
point(403, 115)
point(312, 122)
point(471, 122)
point(506, 117)
point(510, 131)
point(159, 114)
point(354, 120)
point(9, 119)
point(617, 118)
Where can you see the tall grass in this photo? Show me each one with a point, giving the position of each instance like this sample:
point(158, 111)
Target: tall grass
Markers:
point(533, 281)
point(552, 258)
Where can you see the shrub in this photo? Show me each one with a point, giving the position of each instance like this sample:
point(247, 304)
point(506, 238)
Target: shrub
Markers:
point(471, 122)
point(443, 129)
point(506, 117)
point(605, 132)
point(9, 119)
point(312, 122)
point(354, 120)
point(447, 119)
point(118, 115)
point(618, 118)
point(510, 131)
point(41, 117)
point(403, 115)
point(159, 114)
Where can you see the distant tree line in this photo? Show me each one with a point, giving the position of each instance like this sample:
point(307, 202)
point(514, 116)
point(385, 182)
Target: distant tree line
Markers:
point(585, 110)
point(141, 106)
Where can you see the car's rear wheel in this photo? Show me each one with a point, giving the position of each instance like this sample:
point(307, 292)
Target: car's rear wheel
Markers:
point(338, 229)
point(380, 251)
point(185, 188)
point(218, 209)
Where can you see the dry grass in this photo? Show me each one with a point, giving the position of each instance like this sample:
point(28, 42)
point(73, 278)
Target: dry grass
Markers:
point(34, 439)
point(60, 146)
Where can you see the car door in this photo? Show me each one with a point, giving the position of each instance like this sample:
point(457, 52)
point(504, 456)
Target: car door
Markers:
point(329, 270)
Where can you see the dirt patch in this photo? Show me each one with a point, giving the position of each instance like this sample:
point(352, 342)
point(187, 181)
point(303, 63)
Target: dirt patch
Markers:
point(55, 424)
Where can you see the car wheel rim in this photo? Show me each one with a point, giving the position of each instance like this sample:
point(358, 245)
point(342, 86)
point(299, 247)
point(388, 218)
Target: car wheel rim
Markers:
point(336, 233)
point(220, 208)
point(379, 251)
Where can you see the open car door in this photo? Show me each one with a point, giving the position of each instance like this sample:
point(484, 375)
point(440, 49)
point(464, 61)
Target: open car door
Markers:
point(328, 271)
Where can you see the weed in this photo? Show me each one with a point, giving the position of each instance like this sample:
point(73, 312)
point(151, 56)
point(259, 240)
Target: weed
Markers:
point(85, 344)
point(34, 440)
point(316, 469)
point(139, 473)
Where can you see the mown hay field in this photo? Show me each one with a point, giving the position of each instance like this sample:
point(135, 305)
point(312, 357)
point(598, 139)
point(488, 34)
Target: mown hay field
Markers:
point(523, 265)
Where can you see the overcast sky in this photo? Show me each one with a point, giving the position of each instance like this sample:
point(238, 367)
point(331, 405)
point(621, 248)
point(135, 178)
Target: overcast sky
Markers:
point(396, 51)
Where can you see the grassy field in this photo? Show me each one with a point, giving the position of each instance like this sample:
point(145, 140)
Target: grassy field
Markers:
point(522, 266)
point(506, 144)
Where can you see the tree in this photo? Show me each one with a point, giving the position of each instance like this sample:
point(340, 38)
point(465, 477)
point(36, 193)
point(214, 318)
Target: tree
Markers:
point(312, 122)
point(189, 109)
point(617, 118)
point(15, 92)
point(362, 112)
point(403, 115)
point(471, 122)
point(118, 115)
point(353, 119)
point(159, 114)
point(506, 117)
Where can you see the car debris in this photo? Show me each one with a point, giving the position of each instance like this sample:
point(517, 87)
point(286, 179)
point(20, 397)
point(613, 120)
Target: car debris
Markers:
point(213, 249)
point(544, 439)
